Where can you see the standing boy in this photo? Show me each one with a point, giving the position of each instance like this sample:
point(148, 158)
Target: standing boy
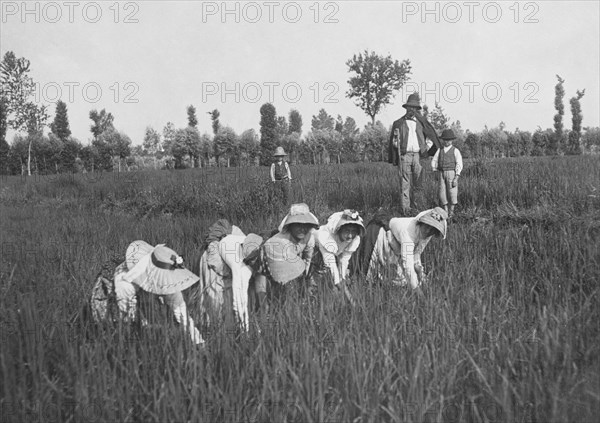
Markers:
point(448, 162)
point(280, 173)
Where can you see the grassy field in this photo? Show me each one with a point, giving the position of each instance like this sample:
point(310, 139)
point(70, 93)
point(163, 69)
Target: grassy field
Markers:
point(506, 330)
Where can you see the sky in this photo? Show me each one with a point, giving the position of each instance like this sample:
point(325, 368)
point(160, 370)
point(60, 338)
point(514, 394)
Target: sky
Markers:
point(484, 62)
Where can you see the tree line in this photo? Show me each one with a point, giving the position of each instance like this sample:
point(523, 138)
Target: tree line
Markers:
point(329, 140)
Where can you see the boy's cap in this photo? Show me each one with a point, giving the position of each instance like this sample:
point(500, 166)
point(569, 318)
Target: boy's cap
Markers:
point(448, 134)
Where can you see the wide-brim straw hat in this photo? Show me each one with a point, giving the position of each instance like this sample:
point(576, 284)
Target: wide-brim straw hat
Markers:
point(283, 263)
point(413, 101)
point(436, 218)
point(279, 151)
point(299, 213)
point(350, 217)
point(448, 134)
point(135, 251)
point(158, 270)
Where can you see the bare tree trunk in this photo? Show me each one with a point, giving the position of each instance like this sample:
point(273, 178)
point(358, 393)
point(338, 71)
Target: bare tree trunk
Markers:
point(29, 160)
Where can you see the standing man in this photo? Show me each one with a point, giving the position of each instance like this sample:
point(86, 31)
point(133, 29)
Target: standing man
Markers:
point(412, 138)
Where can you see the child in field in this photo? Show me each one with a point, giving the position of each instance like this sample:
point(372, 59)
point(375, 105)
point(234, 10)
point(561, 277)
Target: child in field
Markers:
point(402, 244)
point(280, 174)
point(336, 242)
point(448, 162)
point(158, 270)
point(285, 257)
point(223, 267)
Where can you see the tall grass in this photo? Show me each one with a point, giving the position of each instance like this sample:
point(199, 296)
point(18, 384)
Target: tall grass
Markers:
point(507, 329)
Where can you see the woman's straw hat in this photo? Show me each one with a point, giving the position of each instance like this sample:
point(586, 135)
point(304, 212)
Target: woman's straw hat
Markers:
point(299, 213)
point(349, 217)
point(436, 218)
point(158, 270)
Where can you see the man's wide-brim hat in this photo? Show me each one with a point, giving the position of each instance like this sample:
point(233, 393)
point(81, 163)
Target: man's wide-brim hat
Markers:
point(413, 101)
point(158, 270)
point(299, 213)
point(436, 218)
point(279, 151)
point(448, 134)
point(282, 261)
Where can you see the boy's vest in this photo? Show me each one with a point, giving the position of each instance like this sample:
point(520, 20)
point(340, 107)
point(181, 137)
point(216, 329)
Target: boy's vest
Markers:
point(447, 160)
point(280, 171)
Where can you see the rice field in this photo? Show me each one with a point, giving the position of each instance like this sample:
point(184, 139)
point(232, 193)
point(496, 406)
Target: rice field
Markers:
point(507, 329)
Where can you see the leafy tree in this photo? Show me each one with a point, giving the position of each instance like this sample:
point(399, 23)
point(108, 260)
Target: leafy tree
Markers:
point(375, 81)
point(192, 119)
point(102, 122)
point(268, 132)
point(291, 143)
point(559, 93)
point(214, 116)
point(332, 141)
point(295, 122)
point(178, 148)
point(282, 127)
point(591, 139)
point(16, 88)
point(339, 124)
point(226, 144)
point(60, 126)
point(206, 149)
point(168, 138)
point(4, 151)
point(323, 121)
point(541, 140)
point(350, 150)
point(192, 142)
point(526, 144)
point(186, 143)
point(373, 140)
point(249, 146)
point(473, 143)
point(112, 146)
point(3, 118)
point(17, 155)
point(71, 149)
point(514, 144)
point(314, 146)
point(494, 141)
point(575, 134)
point(349, 128)
point(151, 143)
